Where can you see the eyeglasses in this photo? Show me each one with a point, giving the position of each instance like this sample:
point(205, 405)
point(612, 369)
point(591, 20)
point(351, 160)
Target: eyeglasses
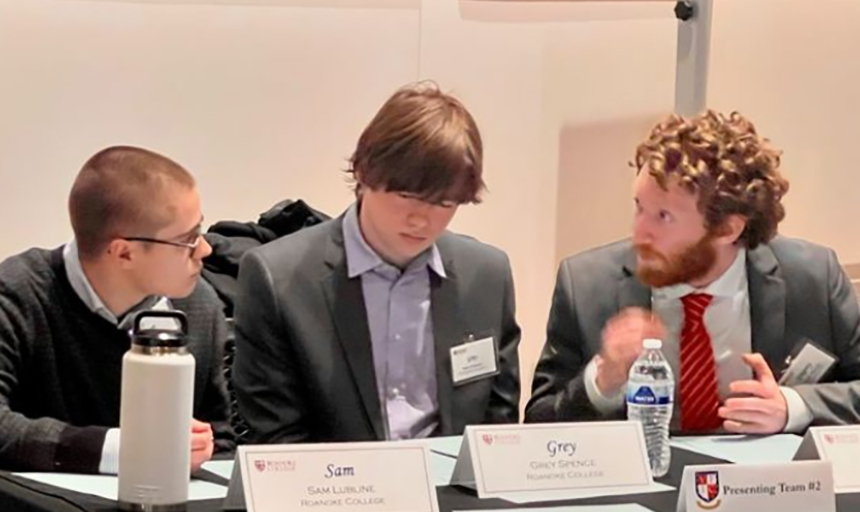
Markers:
point(188, 245)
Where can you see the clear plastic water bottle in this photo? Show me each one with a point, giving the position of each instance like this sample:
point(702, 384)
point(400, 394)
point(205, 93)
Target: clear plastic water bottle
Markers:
point(650, 390)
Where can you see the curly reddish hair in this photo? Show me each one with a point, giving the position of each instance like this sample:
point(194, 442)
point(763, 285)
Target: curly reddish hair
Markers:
point(721, 158)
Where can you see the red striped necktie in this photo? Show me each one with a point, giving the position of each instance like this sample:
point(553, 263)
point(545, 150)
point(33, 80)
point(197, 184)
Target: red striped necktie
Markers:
point(700, 396)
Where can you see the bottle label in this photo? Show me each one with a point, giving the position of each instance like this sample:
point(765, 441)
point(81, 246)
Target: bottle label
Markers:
point(660, 394)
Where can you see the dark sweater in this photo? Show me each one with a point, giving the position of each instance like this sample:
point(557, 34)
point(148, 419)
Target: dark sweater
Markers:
point(61, 365)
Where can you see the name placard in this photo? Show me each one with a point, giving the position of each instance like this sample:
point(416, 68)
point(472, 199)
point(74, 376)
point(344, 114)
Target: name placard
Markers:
point(840, 446)
point(502, 459)
point(788, 487)
point(342, 477)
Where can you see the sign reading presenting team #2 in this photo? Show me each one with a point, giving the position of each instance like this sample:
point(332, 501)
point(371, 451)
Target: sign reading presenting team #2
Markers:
point(789, 487)
point(353, 477)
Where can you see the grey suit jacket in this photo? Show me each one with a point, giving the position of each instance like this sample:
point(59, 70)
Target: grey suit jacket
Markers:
point(304, 364)
point(797, 292)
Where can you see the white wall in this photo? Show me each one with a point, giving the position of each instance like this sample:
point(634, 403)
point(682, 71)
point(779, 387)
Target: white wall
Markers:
point(264, 100)
point(793, 67)
point(260, 103)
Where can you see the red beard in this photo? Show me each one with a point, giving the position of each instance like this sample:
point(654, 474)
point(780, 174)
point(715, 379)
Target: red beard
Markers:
point(691, 264)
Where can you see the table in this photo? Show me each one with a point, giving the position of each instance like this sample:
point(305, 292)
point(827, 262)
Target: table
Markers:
point(20, 494)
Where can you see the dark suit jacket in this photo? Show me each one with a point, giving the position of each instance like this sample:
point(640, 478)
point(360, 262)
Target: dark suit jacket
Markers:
point(304, 364)
point(797, 291)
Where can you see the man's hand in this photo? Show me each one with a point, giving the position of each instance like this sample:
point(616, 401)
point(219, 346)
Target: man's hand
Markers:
point(202, 443)
point(622, 345)
point(763, 412)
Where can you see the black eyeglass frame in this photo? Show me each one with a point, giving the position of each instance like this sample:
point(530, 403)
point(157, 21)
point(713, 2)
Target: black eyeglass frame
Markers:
point(188, 245)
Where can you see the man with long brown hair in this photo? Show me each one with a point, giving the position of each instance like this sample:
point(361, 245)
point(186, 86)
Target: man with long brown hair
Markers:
point(706, 272)
point(381, 324)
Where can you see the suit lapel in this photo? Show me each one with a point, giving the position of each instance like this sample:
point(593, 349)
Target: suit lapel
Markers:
point(631, 292)
point(448, 329)
point(767, 305)
point(345, 299)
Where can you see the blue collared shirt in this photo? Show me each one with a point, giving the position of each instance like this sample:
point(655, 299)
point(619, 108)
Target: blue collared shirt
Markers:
point(401, 332)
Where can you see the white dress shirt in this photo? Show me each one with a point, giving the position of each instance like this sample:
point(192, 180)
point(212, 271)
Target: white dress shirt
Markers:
point(727, 320)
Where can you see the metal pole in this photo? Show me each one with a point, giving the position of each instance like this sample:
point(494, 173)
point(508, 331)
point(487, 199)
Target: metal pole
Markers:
point(694, 52)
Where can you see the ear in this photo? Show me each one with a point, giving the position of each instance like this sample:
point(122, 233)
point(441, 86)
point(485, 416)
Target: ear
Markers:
point(121, 252)
point(359, 182)
point(731, 229)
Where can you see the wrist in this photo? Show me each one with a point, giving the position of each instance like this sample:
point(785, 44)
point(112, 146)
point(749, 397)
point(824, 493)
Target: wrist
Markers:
point(609, 380)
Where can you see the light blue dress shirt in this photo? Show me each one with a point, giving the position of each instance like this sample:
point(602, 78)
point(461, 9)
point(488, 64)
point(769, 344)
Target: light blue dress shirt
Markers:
point(399, 317)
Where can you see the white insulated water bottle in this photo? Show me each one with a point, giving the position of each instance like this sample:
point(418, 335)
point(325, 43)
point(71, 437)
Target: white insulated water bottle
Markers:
point(155, 415)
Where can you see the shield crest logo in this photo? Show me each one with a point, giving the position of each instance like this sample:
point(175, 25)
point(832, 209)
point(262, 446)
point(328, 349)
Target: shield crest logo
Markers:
point(488, 438)
point(260, 465)
point(707, 485)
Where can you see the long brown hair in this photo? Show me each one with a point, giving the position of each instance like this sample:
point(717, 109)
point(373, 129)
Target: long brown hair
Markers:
point(422, 141)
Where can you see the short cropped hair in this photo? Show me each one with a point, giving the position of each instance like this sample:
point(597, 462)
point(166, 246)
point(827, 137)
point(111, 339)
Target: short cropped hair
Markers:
point(733, 170)
point(121, 191)
point(424, 142)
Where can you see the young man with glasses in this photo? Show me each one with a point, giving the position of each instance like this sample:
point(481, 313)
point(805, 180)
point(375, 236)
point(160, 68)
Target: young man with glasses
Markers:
point(65, 316)
point(381, 324)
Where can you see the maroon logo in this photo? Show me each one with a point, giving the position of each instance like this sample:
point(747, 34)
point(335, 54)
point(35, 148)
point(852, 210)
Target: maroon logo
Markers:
point(842, 438)
point(275, 465)
point(500, 439)
point(708, 489)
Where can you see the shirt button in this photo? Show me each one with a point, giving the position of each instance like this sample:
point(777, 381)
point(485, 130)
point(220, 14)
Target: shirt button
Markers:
point(397, 337)
point(395, 392)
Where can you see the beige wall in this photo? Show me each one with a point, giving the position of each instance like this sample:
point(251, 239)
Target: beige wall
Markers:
point(801, 81)
point(264, 100)
point(260, 102)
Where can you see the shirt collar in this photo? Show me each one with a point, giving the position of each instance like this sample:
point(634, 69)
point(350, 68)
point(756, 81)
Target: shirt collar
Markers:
point(84, 290)
point(728, 284)
point(361, 258)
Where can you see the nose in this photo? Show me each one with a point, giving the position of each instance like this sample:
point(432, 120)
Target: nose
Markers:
point(642, 232)
point(418, 218)
point(203, 249)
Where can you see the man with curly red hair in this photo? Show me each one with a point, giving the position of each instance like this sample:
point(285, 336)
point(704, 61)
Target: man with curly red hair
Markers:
point(706, 272)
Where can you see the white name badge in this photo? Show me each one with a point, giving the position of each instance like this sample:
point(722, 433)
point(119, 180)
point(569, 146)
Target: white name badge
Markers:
point(808, 366)
point(788, 487)
point(840, 446)
point(473, 360)
point(343, 477)
point(501, 459)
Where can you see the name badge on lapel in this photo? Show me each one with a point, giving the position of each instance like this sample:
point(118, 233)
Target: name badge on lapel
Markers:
point(474, 359)
point(807, 366)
